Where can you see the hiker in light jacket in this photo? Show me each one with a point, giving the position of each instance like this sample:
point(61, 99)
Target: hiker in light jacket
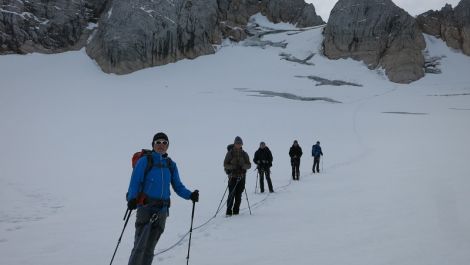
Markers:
point(150, 195)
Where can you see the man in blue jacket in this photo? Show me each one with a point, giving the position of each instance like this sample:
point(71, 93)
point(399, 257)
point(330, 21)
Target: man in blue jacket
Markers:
point(149, 193)
point(316, 153)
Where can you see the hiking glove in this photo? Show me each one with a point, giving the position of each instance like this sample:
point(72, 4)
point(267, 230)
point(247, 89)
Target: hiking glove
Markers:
point(194, 196)
point(132, 204)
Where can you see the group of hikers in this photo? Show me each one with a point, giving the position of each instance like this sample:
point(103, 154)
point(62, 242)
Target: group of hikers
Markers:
point(154, 172)
point(295, 154)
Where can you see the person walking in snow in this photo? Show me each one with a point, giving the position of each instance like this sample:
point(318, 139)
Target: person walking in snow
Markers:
point(264, 160)
point(236, 162)
point(295, 153)
point(149, 193)
point(316, 153)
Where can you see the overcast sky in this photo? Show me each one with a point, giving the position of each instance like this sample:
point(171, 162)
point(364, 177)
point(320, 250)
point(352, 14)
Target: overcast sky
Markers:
point(414, 7)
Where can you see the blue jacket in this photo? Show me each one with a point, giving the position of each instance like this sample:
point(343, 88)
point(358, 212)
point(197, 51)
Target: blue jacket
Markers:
point(158, 179)
point(316, 150)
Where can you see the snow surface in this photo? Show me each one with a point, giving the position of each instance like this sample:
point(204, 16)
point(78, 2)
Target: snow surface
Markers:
point(394, 182)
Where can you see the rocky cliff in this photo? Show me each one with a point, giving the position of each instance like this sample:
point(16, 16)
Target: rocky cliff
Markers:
point(137, 34)
point(46, 26)
point(378, 33)
point(131, 35)
point(451, 25)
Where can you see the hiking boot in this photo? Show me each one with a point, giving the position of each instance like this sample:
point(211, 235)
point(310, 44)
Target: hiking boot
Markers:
point(228, 213)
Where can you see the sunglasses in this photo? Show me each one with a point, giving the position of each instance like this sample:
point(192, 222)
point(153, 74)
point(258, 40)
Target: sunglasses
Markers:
point(161, 142)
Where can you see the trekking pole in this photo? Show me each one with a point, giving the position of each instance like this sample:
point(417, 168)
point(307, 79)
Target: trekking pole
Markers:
point(220, 203)
point(249, 208)
point(128, 212)
point(190, 233)
point(256, 184)
point(125, 215)
point(322, 165)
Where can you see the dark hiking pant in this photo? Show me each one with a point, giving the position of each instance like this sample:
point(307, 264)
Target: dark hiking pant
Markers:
point(236, 186)
point(316, 164)
point(265, 172)
point(147, 235)
point(295, 163)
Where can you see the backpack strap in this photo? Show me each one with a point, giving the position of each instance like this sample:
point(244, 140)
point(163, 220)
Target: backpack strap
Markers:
point(169, 164)
point(150, 165)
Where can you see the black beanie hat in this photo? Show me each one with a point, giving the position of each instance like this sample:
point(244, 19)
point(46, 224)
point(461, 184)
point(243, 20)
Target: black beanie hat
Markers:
point(238, 140)
point(159, 136)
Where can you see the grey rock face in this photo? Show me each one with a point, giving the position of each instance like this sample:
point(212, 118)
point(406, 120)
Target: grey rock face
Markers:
point(238, 12)
point(378, 33)
point(452, 25)
point(292, 11)
point(137, 34)
point(45, 26)
point(132, 35)
point(235, 13)
point(462, 14)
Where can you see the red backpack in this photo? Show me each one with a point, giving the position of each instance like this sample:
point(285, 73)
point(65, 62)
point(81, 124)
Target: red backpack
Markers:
point(147, 153)
point(138, 155)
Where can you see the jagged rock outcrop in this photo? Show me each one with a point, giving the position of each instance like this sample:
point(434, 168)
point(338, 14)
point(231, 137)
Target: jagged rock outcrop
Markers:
point(293, 11)
point(296, 12)
point(378, 33)
point(451, 25)
point(131, 35)
point(137, 34)
point(45, 26)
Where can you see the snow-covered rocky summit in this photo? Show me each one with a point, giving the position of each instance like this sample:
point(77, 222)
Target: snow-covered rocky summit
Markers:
point(379, 33)
point(450, 24)
point(46, 26)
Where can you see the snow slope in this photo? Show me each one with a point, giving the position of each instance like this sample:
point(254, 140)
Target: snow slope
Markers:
point(394, 186)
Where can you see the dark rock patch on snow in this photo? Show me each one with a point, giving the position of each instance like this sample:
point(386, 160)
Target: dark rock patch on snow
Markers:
point(326, 82)
point(458, 109)
point(450, 95)
point(405, 113)
point(290, 58)
point(266, 93)
point(432, 63)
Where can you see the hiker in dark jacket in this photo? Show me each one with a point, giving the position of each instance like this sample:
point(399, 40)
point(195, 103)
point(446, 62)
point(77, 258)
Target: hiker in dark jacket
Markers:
point(295, 154)
point(236, 162)
point(316, 153)
point(150, 195)
point(264, 160)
